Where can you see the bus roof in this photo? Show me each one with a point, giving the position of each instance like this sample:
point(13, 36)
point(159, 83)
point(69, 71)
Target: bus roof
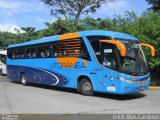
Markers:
point(111, 34)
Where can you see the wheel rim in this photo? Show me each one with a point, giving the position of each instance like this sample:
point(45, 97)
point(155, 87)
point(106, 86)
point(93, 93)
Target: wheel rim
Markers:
point(23, 79)
point(87, 87)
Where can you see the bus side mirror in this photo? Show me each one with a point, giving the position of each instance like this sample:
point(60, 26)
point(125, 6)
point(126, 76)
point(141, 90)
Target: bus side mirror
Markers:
point(149, 46)
point(119, 44)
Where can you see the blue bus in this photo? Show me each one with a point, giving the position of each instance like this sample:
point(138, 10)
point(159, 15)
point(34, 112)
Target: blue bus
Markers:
point(89, 61)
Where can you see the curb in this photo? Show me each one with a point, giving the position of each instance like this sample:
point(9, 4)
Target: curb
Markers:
point(154, 88)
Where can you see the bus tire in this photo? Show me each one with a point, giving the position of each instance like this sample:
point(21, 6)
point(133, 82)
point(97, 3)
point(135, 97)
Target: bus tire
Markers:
point(23, 79)
point(85, 87)
point(1, 72)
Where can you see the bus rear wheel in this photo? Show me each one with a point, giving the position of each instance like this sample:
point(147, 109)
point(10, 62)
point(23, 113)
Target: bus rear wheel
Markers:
point(85, 87)
point(23, 79)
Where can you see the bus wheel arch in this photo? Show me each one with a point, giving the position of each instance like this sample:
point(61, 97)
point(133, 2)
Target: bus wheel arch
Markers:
point(84, 85)
point(23, 79)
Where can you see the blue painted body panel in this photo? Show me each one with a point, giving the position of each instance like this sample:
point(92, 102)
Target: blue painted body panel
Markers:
point(143, 81)
point(44, 71)
point(36, 75)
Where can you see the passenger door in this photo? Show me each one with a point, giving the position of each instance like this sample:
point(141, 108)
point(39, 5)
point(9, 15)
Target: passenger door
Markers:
point(110, 62)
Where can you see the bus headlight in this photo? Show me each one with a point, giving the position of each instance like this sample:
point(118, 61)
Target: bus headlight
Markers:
point(137, 82)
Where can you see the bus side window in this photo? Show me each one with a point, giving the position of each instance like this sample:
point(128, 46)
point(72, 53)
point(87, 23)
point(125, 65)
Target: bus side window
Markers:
point(44, 52)
point(31, 52)
point(109, 59)
point(20, 53)
point(59, 49)
point(96, 45)
point(9, 53)
point(70, 48)
point(17, 53)
point(13, 53)
point(83, 51)
point(54, 49)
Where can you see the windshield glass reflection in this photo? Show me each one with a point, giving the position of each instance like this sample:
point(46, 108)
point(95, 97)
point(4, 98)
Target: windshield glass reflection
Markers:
point(134, 61)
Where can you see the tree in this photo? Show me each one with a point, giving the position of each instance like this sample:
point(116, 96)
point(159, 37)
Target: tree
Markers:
point(74, 8)
point(155, 5)
point(28, 30)
point(17, 30)
point(61, 26)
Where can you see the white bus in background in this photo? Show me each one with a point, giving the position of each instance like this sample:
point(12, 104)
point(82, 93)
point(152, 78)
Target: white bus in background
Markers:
point(3, 70)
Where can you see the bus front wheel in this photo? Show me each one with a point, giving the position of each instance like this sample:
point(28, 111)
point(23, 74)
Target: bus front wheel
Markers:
point(85, 87)
point(24, 79)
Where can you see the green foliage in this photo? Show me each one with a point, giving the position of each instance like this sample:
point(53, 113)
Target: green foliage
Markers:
point(61, 26)
point(150, 34)
point(28, 30)
point(74, 8)
point(7, 38)
point(155, 5)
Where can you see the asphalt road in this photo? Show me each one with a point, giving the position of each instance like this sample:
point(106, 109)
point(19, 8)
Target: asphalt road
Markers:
point(33, 99)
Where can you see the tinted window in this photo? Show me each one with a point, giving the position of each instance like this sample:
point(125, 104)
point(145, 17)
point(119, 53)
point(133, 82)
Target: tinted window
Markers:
point(13, 53)
point(9, 53)
point(109, 59)
point(20, 53)
point(70, 48)
point(28, 52)
point(96, 45)
point(31, 52)
point(63, 48)
point(44, 51)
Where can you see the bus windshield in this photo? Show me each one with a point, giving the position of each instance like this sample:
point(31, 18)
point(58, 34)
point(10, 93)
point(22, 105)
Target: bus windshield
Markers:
point(135, 61)
point(108, 55)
